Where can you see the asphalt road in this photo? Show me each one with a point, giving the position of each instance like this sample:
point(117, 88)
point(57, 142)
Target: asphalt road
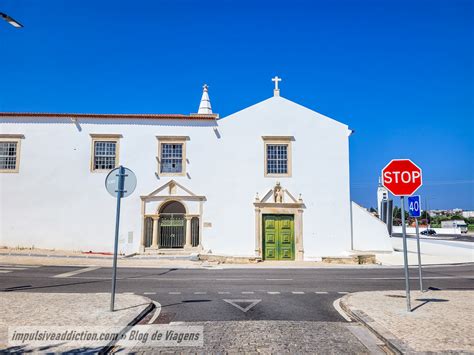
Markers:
point(217, 294)
point(451, 237)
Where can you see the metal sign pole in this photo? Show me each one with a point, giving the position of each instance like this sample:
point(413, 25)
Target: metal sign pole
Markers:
point(405, 254)
point(121, 176)
point(419, 255)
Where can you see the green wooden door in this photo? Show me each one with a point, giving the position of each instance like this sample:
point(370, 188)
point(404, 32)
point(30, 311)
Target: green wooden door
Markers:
point(278, 237)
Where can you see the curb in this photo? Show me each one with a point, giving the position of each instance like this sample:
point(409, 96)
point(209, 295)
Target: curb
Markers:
point(394, 344)
point(110, 346)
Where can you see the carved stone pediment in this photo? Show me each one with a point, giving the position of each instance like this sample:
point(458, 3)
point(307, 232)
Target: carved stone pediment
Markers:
point(172, 189)
point(278, 196)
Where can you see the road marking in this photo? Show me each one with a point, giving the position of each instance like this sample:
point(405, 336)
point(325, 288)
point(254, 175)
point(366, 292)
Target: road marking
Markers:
point(321, 292)
point(248, 292)
point(76, 272)
point(273, 292)
point(297, 292)
point(229, 279)
point(174, 293)
point(200, 293)
point(223, 293)
point(337, 306)
point(239, 303)
point(4, 271)
point(279, 279)
point(343, 292)
point(12, 268)
point(149, 293)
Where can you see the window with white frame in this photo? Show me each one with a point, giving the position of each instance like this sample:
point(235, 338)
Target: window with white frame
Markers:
point(8, 155)
point(277, 159)
point(171, 158)
point(172, 155)
point(104, 155)
point(277, 156)
point(105, 152)
point(10, 152)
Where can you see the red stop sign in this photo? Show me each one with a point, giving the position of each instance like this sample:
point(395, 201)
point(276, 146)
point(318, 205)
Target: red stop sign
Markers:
point(401, 177)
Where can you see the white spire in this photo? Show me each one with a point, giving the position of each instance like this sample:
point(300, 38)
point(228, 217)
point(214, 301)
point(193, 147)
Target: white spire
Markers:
point(205, 105)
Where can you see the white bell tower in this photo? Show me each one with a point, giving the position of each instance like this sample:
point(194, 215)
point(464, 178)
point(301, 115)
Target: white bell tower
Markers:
point(382, 195)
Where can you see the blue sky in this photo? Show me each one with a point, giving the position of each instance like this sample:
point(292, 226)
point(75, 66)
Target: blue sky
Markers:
point(398, 72)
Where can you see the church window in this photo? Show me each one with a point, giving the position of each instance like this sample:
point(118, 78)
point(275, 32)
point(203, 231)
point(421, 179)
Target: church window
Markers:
point(277, 159)
point(10, 152)
point(105, 152)
point(171, 158)
point(277, 156)
point(171, 155)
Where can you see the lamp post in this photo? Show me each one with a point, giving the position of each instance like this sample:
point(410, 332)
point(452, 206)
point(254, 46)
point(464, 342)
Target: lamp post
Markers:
point(10, 20)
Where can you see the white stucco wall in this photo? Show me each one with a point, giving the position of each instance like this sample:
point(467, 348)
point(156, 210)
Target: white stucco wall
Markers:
point(55, 201)
point(369, 232)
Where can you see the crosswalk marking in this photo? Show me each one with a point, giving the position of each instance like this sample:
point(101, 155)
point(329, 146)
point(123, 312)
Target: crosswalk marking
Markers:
point(76, 272)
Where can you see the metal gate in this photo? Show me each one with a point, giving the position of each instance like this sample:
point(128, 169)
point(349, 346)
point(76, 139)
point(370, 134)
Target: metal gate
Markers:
point(172, 228)
point(148, 231)
point(195, 231)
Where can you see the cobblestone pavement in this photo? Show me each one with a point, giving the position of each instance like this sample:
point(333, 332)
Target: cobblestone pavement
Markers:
point(275, 337)
point(65, 309)
point(441, 321)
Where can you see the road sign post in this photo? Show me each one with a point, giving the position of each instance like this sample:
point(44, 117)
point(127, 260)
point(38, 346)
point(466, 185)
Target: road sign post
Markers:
point(402, 178)
point(414, 209)
point(405, 255)
point(120, 182)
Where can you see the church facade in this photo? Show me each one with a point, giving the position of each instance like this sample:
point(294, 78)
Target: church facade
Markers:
point(271, 181)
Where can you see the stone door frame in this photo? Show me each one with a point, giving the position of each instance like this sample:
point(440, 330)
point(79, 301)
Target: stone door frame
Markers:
point(268, 206)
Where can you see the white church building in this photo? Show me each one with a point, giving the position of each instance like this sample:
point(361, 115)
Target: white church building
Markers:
point(271, 181)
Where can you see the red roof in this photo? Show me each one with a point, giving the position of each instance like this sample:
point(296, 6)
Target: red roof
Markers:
point(151, 116)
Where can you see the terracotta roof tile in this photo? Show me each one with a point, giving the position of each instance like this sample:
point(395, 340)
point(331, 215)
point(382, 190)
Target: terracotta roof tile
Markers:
point(141, 116)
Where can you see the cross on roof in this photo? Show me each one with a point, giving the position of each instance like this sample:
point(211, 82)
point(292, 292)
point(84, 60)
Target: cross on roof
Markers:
point(276, 79)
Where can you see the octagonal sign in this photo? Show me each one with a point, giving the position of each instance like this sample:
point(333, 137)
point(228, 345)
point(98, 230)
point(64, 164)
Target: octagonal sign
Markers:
point(402, 177)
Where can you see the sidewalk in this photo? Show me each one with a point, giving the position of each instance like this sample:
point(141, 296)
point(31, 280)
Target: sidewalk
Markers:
point(70, 258)
point(65, 309)
point(396, 259)
point(441, 321)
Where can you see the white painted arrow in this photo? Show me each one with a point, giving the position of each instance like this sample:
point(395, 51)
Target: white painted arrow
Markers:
point(251, 303)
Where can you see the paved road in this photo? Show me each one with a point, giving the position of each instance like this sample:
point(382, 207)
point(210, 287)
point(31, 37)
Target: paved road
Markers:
point(291, 309)
point(452, 237)
point(199, 295)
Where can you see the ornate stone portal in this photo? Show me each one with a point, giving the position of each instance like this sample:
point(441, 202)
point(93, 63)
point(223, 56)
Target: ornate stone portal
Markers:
point(153, 205)
point(279, 201)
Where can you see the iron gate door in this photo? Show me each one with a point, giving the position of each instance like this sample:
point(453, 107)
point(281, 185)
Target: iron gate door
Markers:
point(172, 229)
